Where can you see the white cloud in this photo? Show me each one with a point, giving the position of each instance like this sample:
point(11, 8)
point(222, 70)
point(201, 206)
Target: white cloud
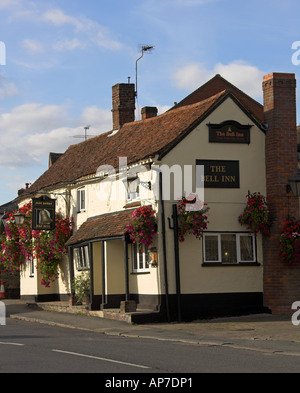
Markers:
point(246, 77)
point(8, 4)
point(99, 119)
point(29, 132)
point(69, 45)
point(33, 117)
point(32, 46)
point(59, 18)
point(92, 30)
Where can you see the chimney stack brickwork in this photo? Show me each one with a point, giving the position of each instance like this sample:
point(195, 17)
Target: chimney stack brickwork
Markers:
point(123, 104)
point(281, 282)
point(148, 112)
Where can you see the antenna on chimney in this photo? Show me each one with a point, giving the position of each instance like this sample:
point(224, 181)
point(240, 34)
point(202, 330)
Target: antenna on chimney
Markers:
point(145, 48)
point(85, 136)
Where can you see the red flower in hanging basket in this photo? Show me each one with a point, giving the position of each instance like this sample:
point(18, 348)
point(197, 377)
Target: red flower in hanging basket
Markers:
point(256, 214)
point(142, 226)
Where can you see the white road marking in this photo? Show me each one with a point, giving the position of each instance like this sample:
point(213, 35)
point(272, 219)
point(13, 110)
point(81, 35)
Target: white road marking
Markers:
point(6, 343)
point(99, 358)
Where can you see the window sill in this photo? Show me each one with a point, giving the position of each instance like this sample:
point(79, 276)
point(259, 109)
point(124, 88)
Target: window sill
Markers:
point(134, 273)
point(240, 264)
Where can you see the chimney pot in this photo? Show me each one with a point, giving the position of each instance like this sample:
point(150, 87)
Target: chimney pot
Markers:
point(149, 111)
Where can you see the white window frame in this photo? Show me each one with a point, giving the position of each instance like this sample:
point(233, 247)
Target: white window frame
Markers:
point(82, 258)
point(238, 248)
point(133, 196)
point(31, 267)
point(136, 259)
point(81, 200)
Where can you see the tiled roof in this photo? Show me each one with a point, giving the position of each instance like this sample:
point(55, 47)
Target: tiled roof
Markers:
point(105, 226)
point(217, 84)
point(136, 141)
point(8, 207)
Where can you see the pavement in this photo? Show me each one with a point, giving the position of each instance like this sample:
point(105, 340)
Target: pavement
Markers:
point(260, 332)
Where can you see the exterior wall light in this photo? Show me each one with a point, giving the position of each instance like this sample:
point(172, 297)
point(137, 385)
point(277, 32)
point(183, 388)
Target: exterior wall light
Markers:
point(19, 218)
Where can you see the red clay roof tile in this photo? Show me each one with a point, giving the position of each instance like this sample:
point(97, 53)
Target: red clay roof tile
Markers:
point(136, 141)
point(217, 84)
point(105, 226)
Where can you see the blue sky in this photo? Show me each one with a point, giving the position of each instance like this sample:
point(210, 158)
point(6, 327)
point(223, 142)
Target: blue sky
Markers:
point(63, 57)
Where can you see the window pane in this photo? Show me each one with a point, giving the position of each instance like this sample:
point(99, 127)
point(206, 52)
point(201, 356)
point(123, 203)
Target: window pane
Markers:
point(78, 200)
point(141, 259)
point(78, 257)
point(228, 248)
point(246, 245)
point(86, 257)
point(82, 204)
point(211, 248)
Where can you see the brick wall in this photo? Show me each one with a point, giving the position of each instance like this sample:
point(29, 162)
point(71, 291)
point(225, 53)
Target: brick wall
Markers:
point(281, 282)
point(123, 104)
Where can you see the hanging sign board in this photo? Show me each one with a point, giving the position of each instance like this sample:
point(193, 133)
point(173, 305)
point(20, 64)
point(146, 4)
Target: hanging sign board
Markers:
point(229, 132)
point(220, 173)
point(43, 213)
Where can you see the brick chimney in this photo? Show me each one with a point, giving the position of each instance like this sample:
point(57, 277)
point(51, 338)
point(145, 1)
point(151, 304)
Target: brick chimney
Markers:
point(281, 282)
point(148, 111)
point(123, 104)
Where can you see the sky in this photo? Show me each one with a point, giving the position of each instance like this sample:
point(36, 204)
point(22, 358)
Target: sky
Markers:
point(60, 58)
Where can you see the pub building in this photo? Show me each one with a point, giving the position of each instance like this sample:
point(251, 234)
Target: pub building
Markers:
point(242, 147)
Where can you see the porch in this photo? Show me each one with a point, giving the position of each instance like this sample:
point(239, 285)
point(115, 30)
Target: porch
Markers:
point(102, 247)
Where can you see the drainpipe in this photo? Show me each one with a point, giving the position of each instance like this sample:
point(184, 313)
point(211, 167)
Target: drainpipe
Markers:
point(177, 266)
point(71, 266)
point(127, 295)
point(164, 245)
point(103, 275)
point(90, 248)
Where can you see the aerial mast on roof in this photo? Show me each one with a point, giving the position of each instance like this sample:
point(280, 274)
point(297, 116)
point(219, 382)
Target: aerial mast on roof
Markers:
point(145, 48)
point(85, 136)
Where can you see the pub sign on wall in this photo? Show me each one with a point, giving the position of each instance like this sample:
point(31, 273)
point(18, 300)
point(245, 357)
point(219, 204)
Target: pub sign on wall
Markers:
point(229, 131)
point(220, 173)
point(43, 213)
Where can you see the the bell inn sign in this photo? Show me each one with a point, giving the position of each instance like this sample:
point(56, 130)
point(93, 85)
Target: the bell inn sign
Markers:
point(229, 131)
point(43, 213)
point(220, 173)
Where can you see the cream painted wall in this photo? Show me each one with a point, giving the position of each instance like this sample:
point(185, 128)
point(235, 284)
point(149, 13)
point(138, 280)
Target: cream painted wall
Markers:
point(225, 206)
point(143, 283)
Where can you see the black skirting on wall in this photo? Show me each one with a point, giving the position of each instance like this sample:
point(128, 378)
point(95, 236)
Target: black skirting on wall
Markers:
point(192, 306)
point(52, 297)
point(213, 305)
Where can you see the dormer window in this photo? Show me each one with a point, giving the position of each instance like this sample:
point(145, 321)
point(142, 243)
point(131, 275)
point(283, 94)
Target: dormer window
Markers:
point(80, 200)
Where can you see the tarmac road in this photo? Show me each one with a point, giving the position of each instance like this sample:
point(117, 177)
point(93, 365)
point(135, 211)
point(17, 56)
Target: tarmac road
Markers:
point(264, 332)
point(50, 345)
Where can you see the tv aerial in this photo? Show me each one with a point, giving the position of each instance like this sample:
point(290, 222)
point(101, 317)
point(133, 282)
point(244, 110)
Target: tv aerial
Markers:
point(85, 136)
point(144, 48)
